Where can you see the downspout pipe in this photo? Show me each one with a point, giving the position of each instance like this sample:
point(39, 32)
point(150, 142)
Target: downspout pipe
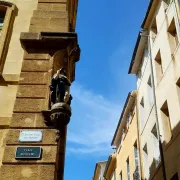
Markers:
point(155, 105)
point(138, 137)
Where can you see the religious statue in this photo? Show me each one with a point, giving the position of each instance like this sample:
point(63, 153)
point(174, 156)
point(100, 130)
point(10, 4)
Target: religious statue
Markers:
point(60, 88)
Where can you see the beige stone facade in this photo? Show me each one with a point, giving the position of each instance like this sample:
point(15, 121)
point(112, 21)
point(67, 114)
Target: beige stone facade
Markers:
point(26, 68)
point(156, 65)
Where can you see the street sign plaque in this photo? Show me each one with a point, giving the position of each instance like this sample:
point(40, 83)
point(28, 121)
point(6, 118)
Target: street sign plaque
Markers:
point(28, 153)
point(30, 136)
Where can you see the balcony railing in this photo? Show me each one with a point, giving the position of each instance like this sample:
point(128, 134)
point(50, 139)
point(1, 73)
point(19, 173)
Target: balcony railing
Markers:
point(136, 174)
point(1, 26)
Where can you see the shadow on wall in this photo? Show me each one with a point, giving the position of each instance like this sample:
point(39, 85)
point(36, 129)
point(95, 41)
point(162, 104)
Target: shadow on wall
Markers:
point(171, 152)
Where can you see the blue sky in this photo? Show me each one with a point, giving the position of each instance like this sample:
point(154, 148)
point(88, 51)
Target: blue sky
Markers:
point(107, 32)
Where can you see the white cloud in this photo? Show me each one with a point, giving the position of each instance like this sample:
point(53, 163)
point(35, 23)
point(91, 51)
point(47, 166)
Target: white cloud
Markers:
point(93, 122)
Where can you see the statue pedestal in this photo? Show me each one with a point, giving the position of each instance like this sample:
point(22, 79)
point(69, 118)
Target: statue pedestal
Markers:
point(60, 114)
point(58, 117)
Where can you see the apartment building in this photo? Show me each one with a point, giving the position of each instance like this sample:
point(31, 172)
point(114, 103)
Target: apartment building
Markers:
point(99, 170)
point(124, 162)
point(156, 64)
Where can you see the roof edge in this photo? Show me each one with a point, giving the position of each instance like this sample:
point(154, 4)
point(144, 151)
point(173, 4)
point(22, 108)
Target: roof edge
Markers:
point(111, 157)
point(134, 52)
point(130, 94)
point(147, 13)
point(140, 41)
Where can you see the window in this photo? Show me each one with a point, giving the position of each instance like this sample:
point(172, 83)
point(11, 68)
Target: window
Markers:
point(139, 77)
point(123, 134)
point(113, 176)
point(150, 91)
point(145, 162)
point(154, 30)
point(8, 12)
point(120, 176)
point(136, 174)
point(127, 121)
point(158, 66)
point(144, 60)
point(142, 66)
point(175, 177)
point(173, 37)
point(136, 158)
point(128, 169)
point(166, 122)
point(142, 112)
point(156, 152)
point(129, 117)
point(178, 88)
point(2, 17)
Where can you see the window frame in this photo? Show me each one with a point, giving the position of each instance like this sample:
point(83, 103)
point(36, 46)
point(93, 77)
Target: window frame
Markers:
point(146, 161)
point(166, 122)
point(156, 151)
point(6, 32)
point(173, 36)
point(142, 113)
point(128, 169)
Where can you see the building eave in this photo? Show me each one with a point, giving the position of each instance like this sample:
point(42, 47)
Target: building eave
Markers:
point(138, 52)
point(96, 169)
point(128, 105)
point(72, 9)
point(134, 53)
point(111, 163)
point(149, 13)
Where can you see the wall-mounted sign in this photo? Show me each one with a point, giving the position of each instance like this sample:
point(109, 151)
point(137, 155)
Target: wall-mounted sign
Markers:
point(30, 136)
point(28, 153)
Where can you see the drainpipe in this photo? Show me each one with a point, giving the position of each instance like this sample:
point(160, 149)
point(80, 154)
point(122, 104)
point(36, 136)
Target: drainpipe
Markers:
point(156, 113)
point(138, 137)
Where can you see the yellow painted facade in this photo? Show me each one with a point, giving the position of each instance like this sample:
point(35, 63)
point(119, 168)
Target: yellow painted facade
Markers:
point(122, 164)
point(125, 151)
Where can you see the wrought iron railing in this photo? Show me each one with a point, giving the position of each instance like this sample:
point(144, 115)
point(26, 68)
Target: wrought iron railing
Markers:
point(1, 29)
point(136, 174)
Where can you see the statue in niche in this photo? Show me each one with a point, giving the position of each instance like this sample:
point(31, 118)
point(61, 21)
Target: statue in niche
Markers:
point(59, 88)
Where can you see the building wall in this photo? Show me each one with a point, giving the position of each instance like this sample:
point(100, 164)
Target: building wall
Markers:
point(126, 150)
point(166, 90)
point(24, 92)
point(12, 66)
point(146, 115)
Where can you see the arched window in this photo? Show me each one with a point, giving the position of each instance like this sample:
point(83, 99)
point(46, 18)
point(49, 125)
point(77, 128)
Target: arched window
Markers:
point(8, 12)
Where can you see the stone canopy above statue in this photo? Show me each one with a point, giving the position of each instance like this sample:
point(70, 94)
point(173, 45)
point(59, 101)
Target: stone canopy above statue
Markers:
point(49, 42)
point(53, 43)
